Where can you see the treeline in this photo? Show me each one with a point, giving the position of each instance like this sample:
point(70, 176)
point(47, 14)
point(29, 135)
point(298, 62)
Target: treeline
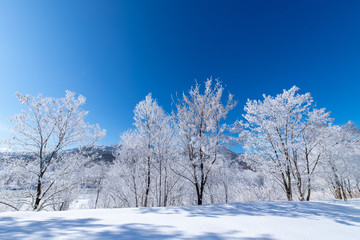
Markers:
point(292, 148)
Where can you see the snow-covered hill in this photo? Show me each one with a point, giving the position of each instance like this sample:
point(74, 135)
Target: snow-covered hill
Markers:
point(106, 153)
point(251, 220)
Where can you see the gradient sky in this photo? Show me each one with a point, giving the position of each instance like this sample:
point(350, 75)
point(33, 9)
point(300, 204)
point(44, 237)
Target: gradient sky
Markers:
point(115, 52)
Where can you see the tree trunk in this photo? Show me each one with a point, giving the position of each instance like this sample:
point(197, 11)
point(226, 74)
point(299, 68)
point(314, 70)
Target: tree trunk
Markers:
point(337, 191)
point(98, 193)
point(308, 190)
point(38, 194)
point(147, 183)
point(199, 194)
point(199, 199)
point(287, 185)
point(160, 183)
point(226, 192)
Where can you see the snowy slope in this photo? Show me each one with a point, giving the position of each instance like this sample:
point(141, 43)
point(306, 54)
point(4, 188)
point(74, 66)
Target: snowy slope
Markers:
point(251, 220)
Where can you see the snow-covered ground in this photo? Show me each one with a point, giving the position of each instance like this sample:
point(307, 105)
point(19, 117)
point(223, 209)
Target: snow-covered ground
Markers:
point(251, 220)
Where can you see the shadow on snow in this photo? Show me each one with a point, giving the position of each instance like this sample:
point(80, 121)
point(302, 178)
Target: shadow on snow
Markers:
point(336, 210)
point(12, 228)
point(92, 228)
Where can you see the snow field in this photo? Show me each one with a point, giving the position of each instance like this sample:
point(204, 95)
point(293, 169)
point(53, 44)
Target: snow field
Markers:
point(265, 220)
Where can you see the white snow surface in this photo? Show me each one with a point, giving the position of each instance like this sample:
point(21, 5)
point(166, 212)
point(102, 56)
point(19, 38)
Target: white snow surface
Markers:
point(265, 220)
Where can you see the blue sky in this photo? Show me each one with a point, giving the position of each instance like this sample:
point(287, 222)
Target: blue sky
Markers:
point(115, 52)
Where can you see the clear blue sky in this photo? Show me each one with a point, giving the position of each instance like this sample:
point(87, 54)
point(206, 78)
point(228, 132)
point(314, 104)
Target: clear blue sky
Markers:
point(115, 52)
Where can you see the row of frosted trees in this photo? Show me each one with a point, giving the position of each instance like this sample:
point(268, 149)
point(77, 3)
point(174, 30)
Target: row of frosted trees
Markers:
point(292, 149)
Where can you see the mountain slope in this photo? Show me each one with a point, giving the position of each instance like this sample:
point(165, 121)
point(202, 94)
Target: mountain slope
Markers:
point(107, 153)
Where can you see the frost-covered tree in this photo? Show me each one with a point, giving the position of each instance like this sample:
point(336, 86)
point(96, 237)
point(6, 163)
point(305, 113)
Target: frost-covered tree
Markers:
point(201, 132)
point(94, 183)
point(285, 133)
point(44, 131)
point(313, 144)
point(11, 181)
point(341, 165)
point(145, 159)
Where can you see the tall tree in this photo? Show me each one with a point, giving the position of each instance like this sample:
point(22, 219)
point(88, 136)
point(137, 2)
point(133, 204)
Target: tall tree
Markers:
point(144, 158)
point(199, 119)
